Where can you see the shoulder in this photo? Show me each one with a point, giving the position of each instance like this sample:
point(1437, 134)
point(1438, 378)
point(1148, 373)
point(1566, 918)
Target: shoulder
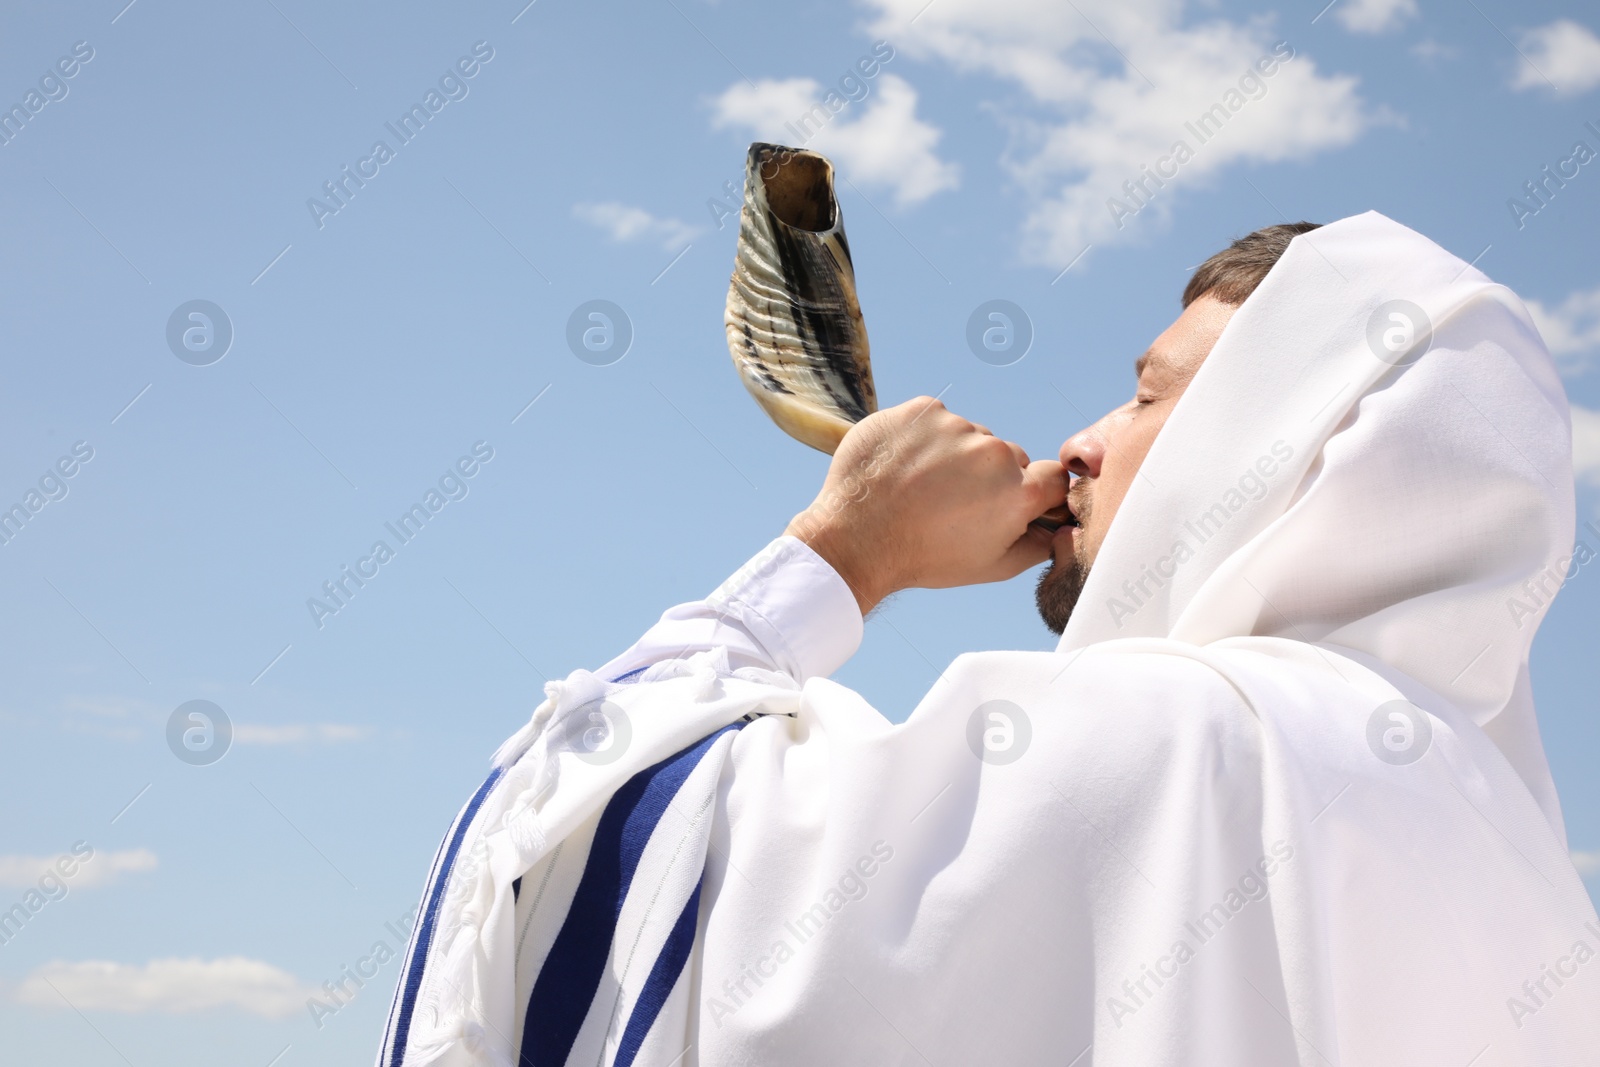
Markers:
point(1132, 704)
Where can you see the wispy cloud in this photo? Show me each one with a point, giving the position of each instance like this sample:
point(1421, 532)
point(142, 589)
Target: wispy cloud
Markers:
point(107, 708)
point(1562, 52)
point(120, 718)
point(296, 733)
point(1571, 329)
point(879, 142)
point(1430, 51)
point(1586, 454)
point(24, 872)
point(1373, 16)
point(623, 223)
point(167, 986)
point(1107, 86)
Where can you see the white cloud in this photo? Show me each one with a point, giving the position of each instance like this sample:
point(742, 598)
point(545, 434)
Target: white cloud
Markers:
point(877, 141)
point(1373, 16)
point(624, 223)
point(106, 708)
point(24, 872)
point(1095, 112)
point(247, 733)
point(1587, 862)
point(170, 986)
point(116, 718)
point(1430, 51)
point(1586, 451)
point(1571, 329)
point(1562, 52)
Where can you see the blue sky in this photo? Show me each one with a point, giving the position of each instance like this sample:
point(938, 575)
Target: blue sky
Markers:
point(375, 346)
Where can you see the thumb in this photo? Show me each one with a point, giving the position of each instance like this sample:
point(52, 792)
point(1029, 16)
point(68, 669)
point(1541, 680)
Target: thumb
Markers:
point(1044, 483)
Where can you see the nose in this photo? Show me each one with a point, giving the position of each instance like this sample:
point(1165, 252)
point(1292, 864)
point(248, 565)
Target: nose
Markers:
point(1083, 451)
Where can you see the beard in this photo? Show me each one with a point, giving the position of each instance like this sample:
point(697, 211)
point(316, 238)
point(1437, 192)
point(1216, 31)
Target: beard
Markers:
point(1058, 590)
point(1062, 582)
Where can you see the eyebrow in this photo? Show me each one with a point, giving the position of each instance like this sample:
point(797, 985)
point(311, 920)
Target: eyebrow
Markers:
point(1139, 364)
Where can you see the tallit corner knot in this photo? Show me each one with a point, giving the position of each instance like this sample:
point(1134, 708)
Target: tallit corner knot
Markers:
point(526, 832)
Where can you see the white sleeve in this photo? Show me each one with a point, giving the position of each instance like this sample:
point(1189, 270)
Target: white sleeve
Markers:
point(786, 609)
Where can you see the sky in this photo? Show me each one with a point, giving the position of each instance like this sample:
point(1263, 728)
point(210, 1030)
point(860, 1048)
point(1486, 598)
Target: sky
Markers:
point(226, 376)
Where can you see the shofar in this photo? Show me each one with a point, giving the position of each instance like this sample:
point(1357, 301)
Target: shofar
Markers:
point(794, 327)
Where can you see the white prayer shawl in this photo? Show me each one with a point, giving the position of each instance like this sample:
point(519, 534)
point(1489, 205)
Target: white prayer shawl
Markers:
point(1278, 797)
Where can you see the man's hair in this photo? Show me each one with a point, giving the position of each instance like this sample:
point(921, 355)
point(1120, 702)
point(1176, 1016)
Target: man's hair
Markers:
point(1233, 273)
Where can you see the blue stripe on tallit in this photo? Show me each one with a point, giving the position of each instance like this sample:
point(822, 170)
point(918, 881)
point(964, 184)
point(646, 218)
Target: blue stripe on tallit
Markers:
point(572, 971)
point(631, 674)
point(430, 914)
point(395, 1001)
point(663, 976)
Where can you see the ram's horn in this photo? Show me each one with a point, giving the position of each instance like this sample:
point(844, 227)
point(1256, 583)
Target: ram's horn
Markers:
point(794, 327)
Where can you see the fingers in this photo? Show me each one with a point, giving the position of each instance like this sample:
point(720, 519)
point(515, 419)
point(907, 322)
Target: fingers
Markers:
point(1048, 479)
point(1029, 550)
point(919, 407)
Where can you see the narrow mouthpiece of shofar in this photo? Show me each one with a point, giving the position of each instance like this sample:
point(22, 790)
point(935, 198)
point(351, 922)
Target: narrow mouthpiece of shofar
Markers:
point(794, 327)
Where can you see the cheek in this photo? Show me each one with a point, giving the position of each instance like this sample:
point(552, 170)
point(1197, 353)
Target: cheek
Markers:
point(1141, 432)
point(1127, 445)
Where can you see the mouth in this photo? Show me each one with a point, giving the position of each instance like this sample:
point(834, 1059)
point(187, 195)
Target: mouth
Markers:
point(1057, 518)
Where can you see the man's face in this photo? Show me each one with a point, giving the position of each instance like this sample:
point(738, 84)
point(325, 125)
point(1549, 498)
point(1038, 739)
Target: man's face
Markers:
point(1105, 458)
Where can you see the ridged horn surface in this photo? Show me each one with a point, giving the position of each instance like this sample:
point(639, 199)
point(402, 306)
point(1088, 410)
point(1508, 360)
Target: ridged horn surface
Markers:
point(794, 326)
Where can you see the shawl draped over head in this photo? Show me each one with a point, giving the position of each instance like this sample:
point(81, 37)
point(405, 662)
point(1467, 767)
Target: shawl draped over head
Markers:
point(1278, 797)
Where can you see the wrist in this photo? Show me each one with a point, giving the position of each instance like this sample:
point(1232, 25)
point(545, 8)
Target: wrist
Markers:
point(836, 546)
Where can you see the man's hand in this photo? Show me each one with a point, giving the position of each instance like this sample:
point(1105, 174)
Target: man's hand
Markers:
point(917, 496)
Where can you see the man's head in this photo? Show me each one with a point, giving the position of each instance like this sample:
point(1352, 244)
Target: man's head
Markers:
point(1105, 458)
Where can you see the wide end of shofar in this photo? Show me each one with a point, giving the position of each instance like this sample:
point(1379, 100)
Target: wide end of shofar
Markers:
point(794, 326)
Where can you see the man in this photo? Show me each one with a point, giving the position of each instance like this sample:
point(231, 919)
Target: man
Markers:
point(1278, 797)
